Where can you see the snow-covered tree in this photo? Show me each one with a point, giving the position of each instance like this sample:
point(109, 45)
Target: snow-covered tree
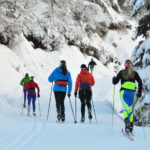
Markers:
point(137, 5)
point(141, 59)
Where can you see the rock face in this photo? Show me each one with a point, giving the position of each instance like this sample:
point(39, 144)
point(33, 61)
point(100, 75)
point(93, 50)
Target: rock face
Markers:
point(49, 24)
point(141, 59)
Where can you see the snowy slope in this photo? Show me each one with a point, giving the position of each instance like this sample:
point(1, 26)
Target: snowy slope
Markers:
point(53, 27)
point(36, 133)
point(20, 132)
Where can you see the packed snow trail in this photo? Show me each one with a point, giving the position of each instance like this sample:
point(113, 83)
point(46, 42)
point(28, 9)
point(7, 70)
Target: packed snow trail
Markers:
point(35, 133)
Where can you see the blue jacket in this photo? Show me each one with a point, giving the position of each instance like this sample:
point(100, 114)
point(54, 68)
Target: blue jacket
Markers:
point(57, 75)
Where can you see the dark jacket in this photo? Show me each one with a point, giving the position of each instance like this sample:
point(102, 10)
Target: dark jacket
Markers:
point(136, 78)
point(92, 64)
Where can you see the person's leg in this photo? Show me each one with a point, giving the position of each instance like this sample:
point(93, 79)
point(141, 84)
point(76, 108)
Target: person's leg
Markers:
point(62, 106)
point(25, 97)
point(82, 99)
point(88, 95)
point(91, 69)
point(33, 102)
point(29, 101)
point(57, 99)
point(127, 99)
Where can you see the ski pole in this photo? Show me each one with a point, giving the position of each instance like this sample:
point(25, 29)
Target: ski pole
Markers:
point(39, 107)
point(72, 110)
point(94, 110)
point(22, 103)
point(49, 101)
point(141, 114)
point(113, 109)
point(75, 110)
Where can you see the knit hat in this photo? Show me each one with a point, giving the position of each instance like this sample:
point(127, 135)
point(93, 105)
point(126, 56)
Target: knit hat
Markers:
point(32, 78)
point(26, 74)
point(62, 62)
point(83, 66)
point(127, 62)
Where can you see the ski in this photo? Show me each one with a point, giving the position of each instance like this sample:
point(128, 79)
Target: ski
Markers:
point(127, 135)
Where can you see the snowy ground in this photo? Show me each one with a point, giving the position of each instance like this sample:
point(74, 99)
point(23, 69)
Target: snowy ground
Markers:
point(29, 133)
point(19, 132)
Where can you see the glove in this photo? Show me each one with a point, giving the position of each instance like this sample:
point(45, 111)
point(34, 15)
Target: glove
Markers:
point(138, 95)
point(113, 80)
point(75, 94)
point(69, 95)
point(38, 95)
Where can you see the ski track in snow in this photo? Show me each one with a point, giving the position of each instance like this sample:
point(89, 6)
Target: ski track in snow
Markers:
point(16, 141)
point(25, 133)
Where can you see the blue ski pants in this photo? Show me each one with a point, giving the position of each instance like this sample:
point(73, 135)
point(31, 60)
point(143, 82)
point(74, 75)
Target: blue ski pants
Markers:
point(32, 97)
point(25, 94)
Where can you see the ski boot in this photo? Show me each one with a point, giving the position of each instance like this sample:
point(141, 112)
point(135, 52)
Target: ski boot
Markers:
point(63, 117)
point(131, 128)
point(58, 117)
point(34, 114)
point(90, 116)
point(28, 110)
point(24, 105)
point(127, 125)
point(82, 119)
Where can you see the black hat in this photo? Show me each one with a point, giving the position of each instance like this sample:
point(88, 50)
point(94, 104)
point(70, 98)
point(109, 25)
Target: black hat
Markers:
point(26, 74)
point(83, 66)
point(32, 77)
point(63, 62)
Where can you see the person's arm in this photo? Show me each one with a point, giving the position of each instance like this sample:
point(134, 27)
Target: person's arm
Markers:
point(92, 80)
point(26, 86)
point(117, 78)
point(138, 79)
point(38, 89)
point(52, 75)
point(69, 83)
point(22, 82)
point(77, 83)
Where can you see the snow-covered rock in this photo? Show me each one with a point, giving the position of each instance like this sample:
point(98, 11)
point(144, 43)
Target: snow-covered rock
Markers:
point(49, 24)
point(141, 59)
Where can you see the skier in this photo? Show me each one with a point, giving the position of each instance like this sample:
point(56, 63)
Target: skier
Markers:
point(62, 77)
point(127, 92)
point(84, 82)
point(30, 86)
point(91, 65)
point(23, 82)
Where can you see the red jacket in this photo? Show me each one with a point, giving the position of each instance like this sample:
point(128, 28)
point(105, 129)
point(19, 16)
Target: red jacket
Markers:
point(31, 85)
point(84, 77)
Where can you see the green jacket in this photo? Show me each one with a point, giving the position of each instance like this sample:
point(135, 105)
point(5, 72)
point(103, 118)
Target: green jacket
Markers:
point(24, 80)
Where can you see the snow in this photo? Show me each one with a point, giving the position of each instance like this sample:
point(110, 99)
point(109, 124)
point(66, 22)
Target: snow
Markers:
point(19, 132)
point(121, 51)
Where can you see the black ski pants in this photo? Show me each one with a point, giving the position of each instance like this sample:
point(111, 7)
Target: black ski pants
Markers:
point(85, 98)
point(60, 98)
